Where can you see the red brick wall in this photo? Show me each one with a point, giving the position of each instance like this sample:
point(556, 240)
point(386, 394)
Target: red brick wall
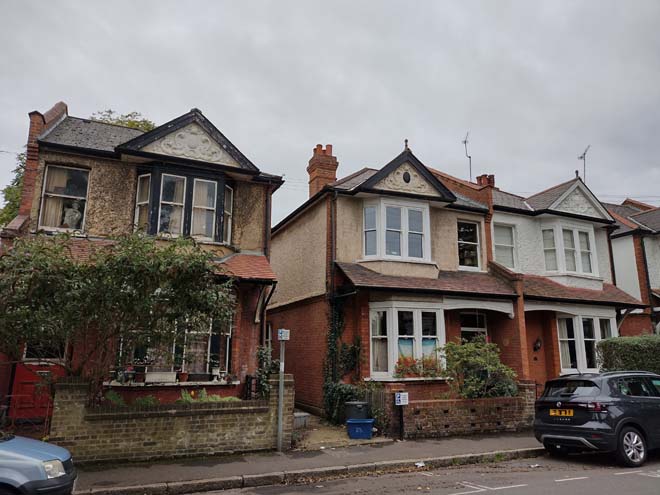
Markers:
point(246, 333)
point(306, 351)
point(544, 364)
point(5, 374)
point(636, 324)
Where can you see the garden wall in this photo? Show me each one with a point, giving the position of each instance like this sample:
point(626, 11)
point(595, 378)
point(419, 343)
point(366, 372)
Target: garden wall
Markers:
point(440, 418)
point(166, 431)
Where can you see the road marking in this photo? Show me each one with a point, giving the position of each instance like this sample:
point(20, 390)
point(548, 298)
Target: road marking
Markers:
point(628, 472)
point(573, 479)
point(427, 474)
point(474, 489)
point(496, 488)
point(481, 488)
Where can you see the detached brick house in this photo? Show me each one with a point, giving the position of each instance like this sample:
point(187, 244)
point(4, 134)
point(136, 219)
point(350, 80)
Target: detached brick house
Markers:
point(636, 253)
point(184, 178)
point(415, 258)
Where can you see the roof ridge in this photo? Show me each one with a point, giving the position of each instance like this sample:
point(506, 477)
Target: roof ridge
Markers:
point(445, 175)
point(96, 121)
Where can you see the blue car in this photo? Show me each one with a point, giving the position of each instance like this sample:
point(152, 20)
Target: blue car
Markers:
point(29, 466)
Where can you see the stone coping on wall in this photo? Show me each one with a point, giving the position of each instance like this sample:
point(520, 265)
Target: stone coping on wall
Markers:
point(119, 385)
point(203, 408)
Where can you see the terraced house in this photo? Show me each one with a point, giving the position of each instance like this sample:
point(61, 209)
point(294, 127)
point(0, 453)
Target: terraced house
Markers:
point(636, 253)
point(411, 258)
point(184, 178)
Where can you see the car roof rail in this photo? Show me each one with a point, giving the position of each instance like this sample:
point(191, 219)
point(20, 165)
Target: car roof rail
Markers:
point(628, 372)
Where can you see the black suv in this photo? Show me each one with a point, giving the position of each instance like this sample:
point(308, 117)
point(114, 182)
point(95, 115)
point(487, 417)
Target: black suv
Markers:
point(608, 412)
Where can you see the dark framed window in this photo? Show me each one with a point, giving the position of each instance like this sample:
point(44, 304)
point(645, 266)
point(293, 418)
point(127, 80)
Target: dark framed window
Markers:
point(64, 198)
point(173, 201)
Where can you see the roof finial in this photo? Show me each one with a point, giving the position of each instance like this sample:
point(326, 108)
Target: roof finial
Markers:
point(405, 142)
point(577, 174)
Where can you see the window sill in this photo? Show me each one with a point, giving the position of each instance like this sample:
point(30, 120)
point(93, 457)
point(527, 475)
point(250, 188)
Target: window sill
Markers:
point(115, 383)
point(470, 268)
point(399, 260)
point(411, 379)
point(54, 230)
point(586, 276)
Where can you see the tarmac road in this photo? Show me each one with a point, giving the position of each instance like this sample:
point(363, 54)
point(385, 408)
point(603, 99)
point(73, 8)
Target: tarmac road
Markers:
point(583, 475)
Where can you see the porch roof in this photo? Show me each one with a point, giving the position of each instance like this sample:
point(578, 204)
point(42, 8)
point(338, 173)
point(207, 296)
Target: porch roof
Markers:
point(248, 267)
point(454, 283)
point(543, 288)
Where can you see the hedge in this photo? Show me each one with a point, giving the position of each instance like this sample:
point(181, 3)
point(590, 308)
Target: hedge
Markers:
point(630, 353)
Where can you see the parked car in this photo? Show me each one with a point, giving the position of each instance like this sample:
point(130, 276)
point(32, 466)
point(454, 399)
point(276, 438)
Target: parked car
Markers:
point(608, 412)
point(29, 467)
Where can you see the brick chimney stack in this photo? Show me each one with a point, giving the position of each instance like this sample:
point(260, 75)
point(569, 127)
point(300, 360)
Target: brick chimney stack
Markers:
point(322, 168)
point(486, 180)
point(39, 123)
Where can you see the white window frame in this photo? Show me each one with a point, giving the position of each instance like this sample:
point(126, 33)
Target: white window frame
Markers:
point(141, 203)
point(554, 248)
point(580, 348)
point(391, 308)
point(44, 193)
point(227, 215)
point(478, 244)
point(514, 240)
point(214, 209)
point(558, 232)
point(182, 205)
point(381, 206)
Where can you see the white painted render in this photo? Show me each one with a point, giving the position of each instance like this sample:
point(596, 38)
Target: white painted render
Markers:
point(652, 248)
point(627, 279)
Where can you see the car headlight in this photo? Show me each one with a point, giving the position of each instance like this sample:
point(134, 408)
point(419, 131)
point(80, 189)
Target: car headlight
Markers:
point(54, 469)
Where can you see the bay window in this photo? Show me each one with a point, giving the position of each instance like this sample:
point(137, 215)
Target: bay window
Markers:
point(404, 332)
point(578, 337)
point(569, 250)
point(468, 245)
point(64, 198)
point(504, 241)
point(396, 230)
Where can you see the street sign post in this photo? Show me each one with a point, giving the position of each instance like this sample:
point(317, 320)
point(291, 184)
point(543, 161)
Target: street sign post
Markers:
point(282, 336)
point(401, 400)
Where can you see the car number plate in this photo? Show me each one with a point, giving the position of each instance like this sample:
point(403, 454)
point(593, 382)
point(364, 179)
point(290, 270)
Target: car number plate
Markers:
point(561, 412)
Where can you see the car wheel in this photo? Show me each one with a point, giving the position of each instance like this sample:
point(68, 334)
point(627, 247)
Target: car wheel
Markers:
point(631, 449)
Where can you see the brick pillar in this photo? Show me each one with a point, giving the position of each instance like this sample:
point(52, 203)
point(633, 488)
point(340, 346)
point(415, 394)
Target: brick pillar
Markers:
point(38, 124)
point(527, 391)
point(289, 395)
point(322, 168)
point(69, 403)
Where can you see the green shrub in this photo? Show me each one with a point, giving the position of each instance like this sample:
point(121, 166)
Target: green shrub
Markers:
point(202, 396)
point(630, 353)
point(146, 401)
point(475, 370)
point(334, 397)
point(115, 399)
point(266, 366)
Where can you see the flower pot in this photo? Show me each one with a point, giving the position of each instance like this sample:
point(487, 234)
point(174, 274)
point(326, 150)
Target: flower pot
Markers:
point(183, 376)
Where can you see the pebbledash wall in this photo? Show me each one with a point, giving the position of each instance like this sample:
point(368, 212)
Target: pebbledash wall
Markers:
point(447, 417)
point(167, 431)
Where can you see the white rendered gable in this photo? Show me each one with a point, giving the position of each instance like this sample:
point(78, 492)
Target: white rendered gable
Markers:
point(396, 181)
point(194, 143)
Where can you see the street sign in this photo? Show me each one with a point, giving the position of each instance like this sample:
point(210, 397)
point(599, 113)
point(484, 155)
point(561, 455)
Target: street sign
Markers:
point(283, 334)
point(401, 398)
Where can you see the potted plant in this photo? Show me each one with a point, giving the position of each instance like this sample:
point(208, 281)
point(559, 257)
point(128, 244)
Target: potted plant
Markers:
point(183, 376)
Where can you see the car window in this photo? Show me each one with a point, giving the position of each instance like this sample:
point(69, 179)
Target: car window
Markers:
point(564, 388)
point(634, 387)
point(656, 384)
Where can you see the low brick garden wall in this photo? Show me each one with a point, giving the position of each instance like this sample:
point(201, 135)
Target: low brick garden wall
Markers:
point(440, 418)
point(166, 431)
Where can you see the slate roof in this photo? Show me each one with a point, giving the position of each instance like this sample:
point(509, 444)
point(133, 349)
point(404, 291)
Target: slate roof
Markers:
point(538, 287)
point(650, 219)
point(459, 282)
point(630, 218)
point(508, 200)
point(88, 134)
point(544, 199)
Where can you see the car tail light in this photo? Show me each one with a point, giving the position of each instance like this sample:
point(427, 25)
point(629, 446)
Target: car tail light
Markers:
point(597, 407)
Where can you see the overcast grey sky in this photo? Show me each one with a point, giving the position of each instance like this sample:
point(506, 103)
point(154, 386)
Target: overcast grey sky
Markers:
point(533, 82)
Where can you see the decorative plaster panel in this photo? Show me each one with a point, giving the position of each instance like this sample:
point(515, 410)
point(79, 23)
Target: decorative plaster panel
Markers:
point(577, 202)
point(191, 142)
point(416, 185)
point(652, 248)
point(625, 265)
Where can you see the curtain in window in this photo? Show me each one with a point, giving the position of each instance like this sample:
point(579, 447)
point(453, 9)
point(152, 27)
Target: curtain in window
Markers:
point(52, 211)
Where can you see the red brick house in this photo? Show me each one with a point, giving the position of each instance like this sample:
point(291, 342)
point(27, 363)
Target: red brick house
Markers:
point(636, 254)
point(183, 178)
point(412, 258)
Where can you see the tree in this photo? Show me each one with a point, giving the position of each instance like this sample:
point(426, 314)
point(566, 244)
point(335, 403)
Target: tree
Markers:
point(134, 120)
point(136, 291)
point(12, 192)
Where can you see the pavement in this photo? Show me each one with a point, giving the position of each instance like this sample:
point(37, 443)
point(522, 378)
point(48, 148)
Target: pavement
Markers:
point(583, 474)
point(272, 468)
